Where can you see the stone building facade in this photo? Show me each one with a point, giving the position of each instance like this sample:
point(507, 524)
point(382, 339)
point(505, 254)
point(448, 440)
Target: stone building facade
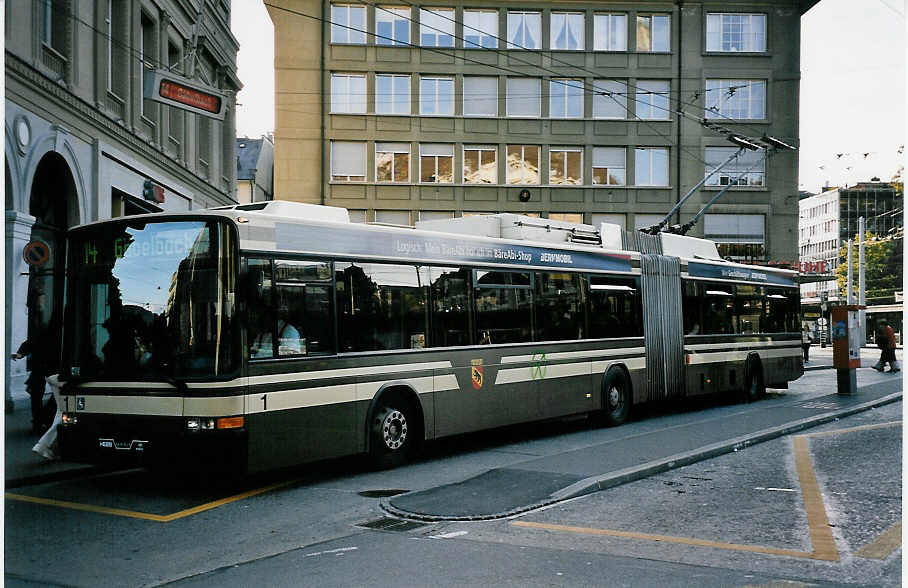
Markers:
point(81, 141)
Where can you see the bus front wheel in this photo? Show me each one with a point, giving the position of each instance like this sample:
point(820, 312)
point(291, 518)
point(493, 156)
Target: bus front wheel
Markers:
point(392, 436)
point(616, 399)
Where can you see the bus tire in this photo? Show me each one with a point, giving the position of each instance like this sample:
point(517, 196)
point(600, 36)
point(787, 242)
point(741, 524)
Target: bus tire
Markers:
point(616, 397)
point(392, 433)
point(754, 386)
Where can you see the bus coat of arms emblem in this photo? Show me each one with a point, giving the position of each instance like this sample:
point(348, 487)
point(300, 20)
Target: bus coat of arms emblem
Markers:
point(476, 373)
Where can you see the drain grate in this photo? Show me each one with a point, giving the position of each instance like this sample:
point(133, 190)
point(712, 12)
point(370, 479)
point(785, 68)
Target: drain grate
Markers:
point(382, 493)
point(390, 524)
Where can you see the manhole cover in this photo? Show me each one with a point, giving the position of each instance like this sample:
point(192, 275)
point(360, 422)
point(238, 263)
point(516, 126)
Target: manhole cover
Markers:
point(382, 493)
point(389, 524)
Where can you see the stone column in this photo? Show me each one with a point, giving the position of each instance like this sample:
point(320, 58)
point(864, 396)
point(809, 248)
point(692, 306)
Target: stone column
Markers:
point(18, 234)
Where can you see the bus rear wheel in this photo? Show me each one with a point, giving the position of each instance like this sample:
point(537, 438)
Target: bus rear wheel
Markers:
point(392, 436)
point(616, 401)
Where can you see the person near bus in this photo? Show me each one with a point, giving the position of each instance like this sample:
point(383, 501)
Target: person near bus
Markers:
point(35, 350)
point(805, 342)
point(885, 340)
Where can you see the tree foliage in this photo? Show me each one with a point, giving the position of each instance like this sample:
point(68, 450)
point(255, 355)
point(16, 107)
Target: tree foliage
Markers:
point(883, 267)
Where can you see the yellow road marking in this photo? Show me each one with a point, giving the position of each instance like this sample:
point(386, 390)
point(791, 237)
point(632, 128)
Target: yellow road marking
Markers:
point(818, 524)
point(824, 547)
point(144, 515)
point(666, 538)
point(883, 546)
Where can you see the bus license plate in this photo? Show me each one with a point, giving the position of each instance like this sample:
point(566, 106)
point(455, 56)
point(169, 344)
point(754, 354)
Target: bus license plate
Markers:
point(134, 445)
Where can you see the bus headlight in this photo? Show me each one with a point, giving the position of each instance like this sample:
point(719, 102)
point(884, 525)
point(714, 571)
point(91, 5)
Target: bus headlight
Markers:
point(210, 424)
point(69, 418)
point(200, 424)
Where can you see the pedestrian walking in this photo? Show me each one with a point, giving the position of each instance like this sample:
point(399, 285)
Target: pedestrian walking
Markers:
point(46, 446)
point(885, 340)
point(35, 350)
point(805, 342)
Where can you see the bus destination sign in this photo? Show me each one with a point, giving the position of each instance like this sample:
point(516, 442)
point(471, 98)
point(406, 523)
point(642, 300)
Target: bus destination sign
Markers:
point(747, 274)
point(168, 88)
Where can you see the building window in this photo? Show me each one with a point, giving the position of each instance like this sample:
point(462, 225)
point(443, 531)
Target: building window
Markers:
point(436, 96)
point(565, 98)
point(480, 29)
point(348, 161)
point(392, 26)
point(480, 96)
point(568, 217)
point(524, 30)
point(567, 31)
point(392, 94)
point(430, 215)
point(738, 236)
point(436, 163)
point(400, 218)
point(619, 219)
point(653, 33)
point(436, 27)
point(204, 140)
point(392, 162)
point(117, 51)
point(651, 166)
point(737, 99)
point(736, 32)
point(148, 49)
point(610, 32)
point(747, 169)
point(348, 93)
point(480, 164)
point(566, 166)
point(523, 164)
point(55, 25)
point(609, 165)
point(176, 114)
point(348, 24)
point(524, 97)
point(609, 99)
point(652, 99)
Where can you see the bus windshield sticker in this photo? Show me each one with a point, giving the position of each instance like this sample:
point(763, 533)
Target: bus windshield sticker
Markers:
point(430, 248)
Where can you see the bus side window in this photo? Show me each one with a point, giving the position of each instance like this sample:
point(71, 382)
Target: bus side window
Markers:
point(304, 315)
point(450, 289)
point(614, 307)
point(260, 306)
point(559, 307)
point(690, 309)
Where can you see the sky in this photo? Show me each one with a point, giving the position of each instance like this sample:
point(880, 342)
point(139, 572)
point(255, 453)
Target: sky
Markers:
point(852, 106)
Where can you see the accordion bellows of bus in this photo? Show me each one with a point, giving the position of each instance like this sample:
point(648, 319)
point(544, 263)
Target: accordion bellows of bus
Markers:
point(272, 334)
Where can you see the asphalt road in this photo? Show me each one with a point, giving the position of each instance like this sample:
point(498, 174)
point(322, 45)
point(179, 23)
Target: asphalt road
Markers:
point(747, 518)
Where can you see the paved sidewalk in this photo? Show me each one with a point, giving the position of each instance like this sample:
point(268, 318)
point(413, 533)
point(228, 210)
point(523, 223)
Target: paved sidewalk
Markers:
point(650, 449)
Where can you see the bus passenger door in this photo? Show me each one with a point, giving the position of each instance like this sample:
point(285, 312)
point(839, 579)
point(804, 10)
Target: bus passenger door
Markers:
point(662, 326)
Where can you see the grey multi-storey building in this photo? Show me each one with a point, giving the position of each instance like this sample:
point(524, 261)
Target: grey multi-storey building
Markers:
point(82, 143)
point(566, 110)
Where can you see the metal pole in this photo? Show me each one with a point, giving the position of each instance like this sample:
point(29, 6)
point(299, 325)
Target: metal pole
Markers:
point(849, 284)
point(862, 294)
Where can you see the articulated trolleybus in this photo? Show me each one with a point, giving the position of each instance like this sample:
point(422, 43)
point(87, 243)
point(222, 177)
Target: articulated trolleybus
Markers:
point(267, 335)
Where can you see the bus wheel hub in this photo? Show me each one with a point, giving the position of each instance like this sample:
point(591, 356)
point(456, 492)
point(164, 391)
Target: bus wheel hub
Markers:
point(394, 429)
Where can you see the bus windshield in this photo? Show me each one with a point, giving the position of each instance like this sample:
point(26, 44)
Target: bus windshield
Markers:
point(151, 301)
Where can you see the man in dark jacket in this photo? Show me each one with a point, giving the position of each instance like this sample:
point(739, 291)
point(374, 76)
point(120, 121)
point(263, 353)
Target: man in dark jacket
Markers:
point(35, 349)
